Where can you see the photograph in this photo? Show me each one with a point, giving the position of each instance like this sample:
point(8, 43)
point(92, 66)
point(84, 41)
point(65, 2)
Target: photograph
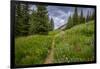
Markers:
point(53, 34)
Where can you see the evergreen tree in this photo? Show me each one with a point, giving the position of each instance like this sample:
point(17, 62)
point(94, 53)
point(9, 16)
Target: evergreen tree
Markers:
point(39, 21)
point(88, 17)
point(69, 23)
point(75, 17)
point(42, 24)
point(18, 20)
point(93, 15)
point(33, 22)
point(73, 20)
point(21, 20)
point(26, 19)
point(51, 24)
point(82, 18)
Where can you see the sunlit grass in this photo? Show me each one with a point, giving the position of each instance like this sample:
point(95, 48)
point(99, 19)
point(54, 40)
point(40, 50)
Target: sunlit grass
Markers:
point(76, 45)
point(32, 49)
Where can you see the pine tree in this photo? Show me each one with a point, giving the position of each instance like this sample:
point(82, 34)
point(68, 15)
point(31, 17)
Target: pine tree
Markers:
point(88, 17)
point(42, 24)
point(75, 17)
point(21, 20)
point(82, 18)
point(93, 15)
point(39, 21)
point(18, 20)
point(26, 19)
point(69, 23)
point(33, 22)
point(51, 24)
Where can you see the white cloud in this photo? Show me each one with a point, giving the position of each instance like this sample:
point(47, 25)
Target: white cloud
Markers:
point(58, 22)
point(62, 19)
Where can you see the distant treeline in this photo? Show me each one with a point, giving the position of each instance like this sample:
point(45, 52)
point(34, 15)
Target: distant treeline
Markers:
point(76, 19)
point(38, 22)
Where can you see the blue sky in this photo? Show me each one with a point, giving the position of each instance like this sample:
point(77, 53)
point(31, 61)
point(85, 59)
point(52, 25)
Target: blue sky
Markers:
point(60, 14)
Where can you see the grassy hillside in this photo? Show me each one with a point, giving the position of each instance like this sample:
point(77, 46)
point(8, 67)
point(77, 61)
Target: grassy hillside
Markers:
point(72, 45)
point(76, 44)
point(32, 49)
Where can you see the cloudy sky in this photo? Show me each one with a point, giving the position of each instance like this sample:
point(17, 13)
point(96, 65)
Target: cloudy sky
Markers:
point(60, 14)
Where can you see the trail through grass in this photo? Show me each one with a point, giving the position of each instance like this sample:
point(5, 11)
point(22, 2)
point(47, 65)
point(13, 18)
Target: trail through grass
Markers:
point(73, 45)
point(32, 49)
point(50, 56)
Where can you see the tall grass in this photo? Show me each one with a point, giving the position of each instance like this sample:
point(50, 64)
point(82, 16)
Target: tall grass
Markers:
point(76, 45)
point(54, 32)
point(32, 49)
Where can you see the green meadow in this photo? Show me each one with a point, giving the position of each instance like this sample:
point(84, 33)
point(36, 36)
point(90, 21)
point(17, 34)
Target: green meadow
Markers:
point(72, 45)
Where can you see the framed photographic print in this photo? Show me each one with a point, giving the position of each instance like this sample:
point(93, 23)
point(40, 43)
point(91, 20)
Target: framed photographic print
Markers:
point(50, 34)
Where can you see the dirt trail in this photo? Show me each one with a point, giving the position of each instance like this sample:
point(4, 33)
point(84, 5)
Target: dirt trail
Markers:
point(60, 34)
point(50, 56)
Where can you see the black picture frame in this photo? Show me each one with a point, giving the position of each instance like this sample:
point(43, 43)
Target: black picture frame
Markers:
point(12, 41)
